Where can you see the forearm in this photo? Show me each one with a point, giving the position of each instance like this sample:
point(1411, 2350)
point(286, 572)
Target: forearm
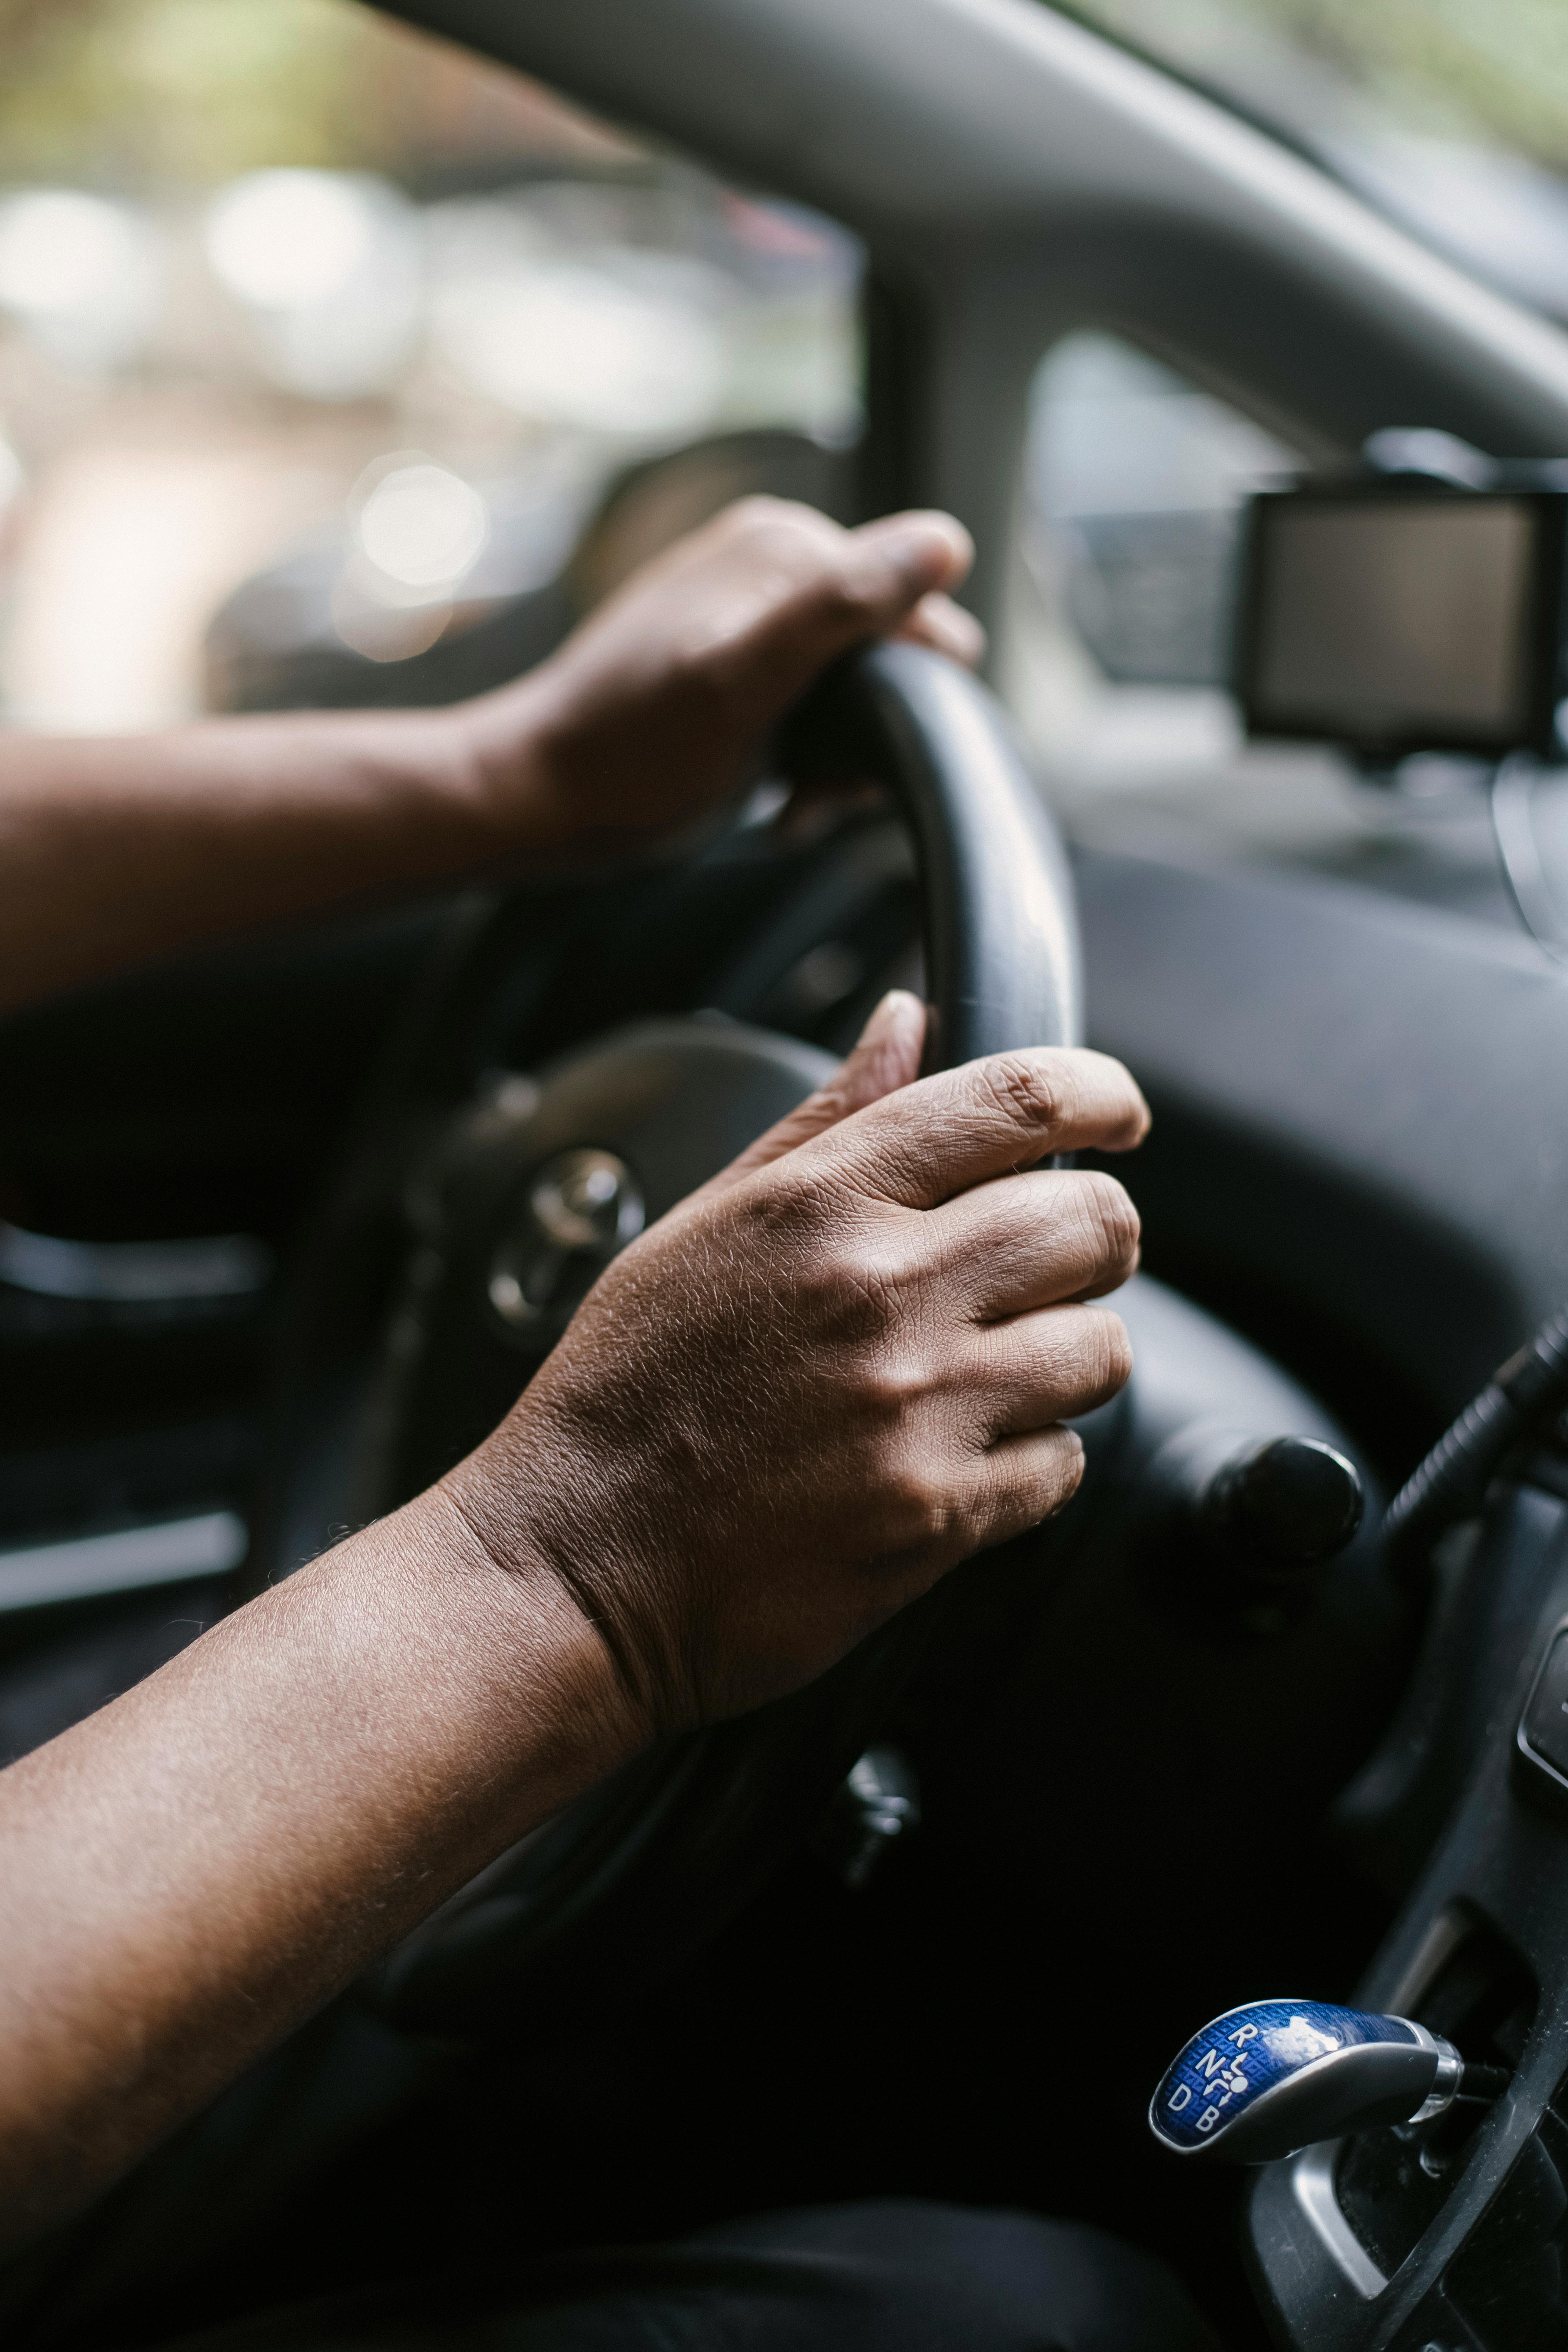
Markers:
point(116, 850)
point(191, 1872)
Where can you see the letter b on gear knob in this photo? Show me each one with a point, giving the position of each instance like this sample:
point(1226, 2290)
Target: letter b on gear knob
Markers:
point(1264, 2080)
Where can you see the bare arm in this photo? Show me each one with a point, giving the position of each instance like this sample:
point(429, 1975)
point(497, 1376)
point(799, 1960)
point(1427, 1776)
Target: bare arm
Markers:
point(203, 1862)
point(114, 850)
point(189, 1873)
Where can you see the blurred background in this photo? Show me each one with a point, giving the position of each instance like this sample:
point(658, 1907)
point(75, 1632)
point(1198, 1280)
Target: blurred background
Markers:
point(293, 298)
point(1450, 114)
point(1451, 118)
point(321, 345)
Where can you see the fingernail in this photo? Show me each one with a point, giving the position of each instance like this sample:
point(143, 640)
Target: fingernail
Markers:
point(895, 1008)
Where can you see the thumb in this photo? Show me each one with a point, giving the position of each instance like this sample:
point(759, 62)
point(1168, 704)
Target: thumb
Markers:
point(887, 1056)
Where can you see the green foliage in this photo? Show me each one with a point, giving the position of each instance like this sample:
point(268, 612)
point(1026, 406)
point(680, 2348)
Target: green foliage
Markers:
point(159, 92)
point(1492, 68)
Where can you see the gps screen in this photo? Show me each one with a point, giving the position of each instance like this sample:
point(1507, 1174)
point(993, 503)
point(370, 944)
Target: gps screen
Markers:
point(1392, 619)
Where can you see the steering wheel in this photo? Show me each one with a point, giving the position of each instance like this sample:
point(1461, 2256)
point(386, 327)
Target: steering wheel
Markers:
point(516, 1199)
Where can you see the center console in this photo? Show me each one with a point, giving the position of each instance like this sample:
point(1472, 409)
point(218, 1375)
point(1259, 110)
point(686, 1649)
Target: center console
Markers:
point(1453, 2236)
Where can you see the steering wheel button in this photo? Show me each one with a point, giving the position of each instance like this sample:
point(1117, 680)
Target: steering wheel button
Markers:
point(1543, 1732)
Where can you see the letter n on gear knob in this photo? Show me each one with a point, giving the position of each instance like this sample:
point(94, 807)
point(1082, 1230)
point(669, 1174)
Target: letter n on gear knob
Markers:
point(1262, 2081)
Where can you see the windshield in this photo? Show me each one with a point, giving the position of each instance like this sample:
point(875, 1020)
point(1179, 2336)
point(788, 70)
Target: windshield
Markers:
point(1451, 115)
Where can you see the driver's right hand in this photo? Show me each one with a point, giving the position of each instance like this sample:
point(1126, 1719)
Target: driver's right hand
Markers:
point(828, 1377)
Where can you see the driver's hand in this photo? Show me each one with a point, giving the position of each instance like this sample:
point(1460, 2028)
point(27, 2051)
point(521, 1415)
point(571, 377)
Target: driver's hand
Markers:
point(655, 708)
point(831, 1374)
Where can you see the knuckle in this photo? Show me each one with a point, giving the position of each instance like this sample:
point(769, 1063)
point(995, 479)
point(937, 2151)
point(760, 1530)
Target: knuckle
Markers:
point(887, 1266)
point(892, 1384)
point(1052, 1479)
point(1064, 1474)
point(781, 529)
point(854, 1287)
point(1131, 1122)
point(838, 596)
point(1113, 1221)
point(1106, 1354)
point(1031, 1091)
point(779, 1210)
point(916, 1504)
point(702, 673)
point(1031, 1486)
point(759, 511)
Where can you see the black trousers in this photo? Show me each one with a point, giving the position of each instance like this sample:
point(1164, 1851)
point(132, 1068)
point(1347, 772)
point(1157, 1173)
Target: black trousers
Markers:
point(891, 2277)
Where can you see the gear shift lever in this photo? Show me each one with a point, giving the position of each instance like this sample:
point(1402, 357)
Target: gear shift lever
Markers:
point(1263, 2081)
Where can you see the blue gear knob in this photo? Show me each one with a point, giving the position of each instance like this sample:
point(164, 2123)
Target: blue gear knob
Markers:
point(1263, 2081)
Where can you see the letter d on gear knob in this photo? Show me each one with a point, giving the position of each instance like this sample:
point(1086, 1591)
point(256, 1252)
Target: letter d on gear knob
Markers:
point(1262, 2081)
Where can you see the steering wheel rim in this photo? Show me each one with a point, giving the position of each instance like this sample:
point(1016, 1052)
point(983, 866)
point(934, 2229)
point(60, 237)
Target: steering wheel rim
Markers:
point(1003, 964)
point(625, 1882)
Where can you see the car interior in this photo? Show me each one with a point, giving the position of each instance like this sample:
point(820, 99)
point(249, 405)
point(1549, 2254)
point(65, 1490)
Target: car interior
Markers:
point(1244, 796)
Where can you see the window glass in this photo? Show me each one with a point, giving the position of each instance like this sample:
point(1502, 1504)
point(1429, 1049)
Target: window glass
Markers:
point(1114, 641)
point(1117, 640)
point(320, 339)
point(1451, 115)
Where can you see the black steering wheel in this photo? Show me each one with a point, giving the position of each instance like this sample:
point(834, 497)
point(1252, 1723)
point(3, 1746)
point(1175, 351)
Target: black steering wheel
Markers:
point(513, 1204)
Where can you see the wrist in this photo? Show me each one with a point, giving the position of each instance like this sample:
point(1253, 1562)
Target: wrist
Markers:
point(562, 1695)
point(506, 1700)
point(506, 764)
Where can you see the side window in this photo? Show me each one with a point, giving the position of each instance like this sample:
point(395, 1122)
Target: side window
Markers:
point(320, 343)
point(1119, 622)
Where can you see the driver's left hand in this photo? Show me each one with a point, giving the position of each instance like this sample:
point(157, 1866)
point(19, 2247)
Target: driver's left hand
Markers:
point(652, 711)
